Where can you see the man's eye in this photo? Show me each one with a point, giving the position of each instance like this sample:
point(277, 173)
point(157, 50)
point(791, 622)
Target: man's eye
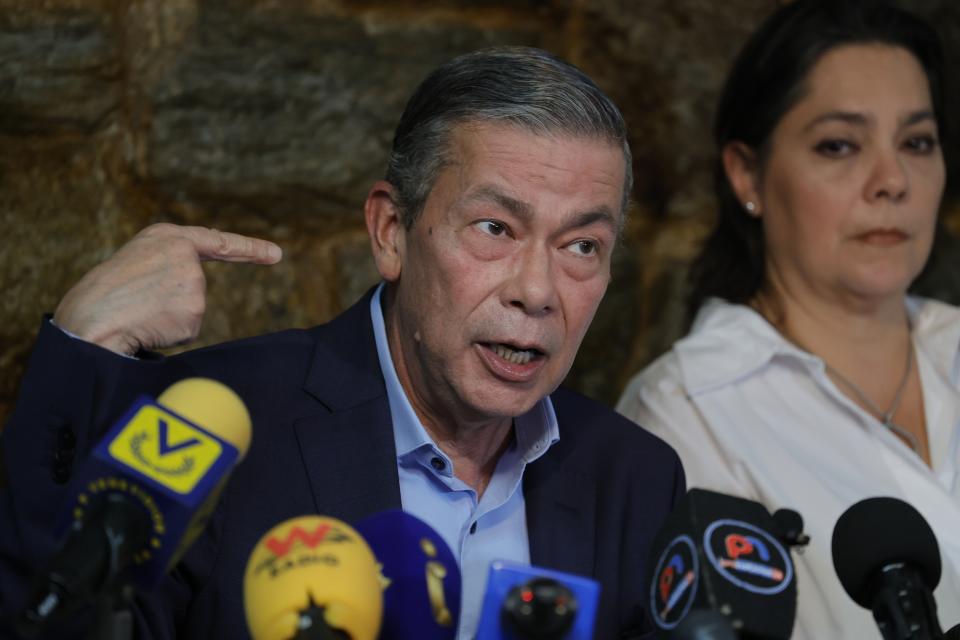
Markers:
point(584, 247)
point(835, 148)
point(492, 227)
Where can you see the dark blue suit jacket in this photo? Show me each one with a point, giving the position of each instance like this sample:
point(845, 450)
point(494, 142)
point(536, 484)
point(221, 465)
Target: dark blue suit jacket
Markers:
point(322, 443)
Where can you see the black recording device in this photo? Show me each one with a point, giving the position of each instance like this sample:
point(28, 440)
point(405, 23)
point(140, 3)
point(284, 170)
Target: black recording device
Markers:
point(722, 564)
point(540, 608)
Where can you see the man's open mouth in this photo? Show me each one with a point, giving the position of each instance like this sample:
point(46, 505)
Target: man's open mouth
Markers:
point(513, 354)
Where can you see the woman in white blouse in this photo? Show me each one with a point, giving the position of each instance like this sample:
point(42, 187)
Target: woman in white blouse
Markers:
point(810, 378)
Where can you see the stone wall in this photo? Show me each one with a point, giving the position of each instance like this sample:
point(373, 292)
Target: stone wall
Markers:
point(272, 118)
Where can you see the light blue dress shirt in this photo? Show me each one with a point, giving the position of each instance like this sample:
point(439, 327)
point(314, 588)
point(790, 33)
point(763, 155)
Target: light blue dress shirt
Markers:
point(478, 532)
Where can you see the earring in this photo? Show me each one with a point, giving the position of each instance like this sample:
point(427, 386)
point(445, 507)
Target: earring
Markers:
point(750, 206)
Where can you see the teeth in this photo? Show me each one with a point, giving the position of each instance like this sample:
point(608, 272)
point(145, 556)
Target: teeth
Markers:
point(513, 355)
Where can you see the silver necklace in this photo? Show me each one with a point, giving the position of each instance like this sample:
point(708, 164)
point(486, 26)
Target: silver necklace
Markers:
point(885, 417)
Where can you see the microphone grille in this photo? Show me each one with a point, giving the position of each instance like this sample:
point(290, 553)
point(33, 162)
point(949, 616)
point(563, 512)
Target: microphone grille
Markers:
point(212, 405)
point(876, 532)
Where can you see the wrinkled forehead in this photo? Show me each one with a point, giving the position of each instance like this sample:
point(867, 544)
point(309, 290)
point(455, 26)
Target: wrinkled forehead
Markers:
point(495, 141)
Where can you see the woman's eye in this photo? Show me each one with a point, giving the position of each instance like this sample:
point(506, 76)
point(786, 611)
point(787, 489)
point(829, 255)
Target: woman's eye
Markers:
point(584, 247)
point(835, 148)
point(492, 227)
point(921, 145)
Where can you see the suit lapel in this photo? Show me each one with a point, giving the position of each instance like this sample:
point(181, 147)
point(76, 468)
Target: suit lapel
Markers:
point(560, 505)
point(350, 457)
point(351, 461)
point(348, 450)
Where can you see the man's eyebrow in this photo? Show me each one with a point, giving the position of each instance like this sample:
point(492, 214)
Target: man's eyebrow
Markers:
point(602, 215)
point(859, 119)
point(487, 193)
point(523, 211)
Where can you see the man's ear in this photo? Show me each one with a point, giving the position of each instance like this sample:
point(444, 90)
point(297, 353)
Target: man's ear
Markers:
point(742, 168)
point(385, 228)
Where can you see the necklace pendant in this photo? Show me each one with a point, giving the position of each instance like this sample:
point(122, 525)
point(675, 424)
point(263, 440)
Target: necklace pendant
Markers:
point(905, 435)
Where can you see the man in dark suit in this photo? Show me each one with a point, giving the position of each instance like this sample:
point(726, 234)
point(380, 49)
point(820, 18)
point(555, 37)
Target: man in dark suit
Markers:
point(437, 392)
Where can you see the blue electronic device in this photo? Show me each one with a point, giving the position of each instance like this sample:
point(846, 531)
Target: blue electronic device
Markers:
point(519, 594)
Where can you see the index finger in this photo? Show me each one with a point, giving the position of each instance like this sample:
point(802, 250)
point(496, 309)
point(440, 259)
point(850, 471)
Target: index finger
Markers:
point(225, 246)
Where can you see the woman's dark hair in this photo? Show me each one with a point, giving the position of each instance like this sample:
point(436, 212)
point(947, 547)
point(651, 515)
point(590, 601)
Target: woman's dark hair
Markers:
point(766, 81)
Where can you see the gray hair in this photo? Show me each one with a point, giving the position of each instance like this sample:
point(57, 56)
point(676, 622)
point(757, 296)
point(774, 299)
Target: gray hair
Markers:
point(519, 86)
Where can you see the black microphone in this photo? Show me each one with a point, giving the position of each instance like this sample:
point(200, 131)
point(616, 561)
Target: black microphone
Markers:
point(720, 565)
point(888, 561)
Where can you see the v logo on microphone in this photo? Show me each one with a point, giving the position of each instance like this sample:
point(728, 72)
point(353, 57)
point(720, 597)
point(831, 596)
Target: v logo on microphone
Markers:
point(165, 445)
point(166, 448)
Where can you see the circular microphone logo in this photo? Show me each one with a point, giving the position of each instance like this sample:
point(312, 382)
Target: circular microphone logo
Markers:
point(748, 557)
point(675, 582)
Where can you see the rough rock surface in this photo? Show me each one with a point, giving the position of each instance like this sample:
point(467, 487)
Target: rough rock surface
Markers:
point(272, 118)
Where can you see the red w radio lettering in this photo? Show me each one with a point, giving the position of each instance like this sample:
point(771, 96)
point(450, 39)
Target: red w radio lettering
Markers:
point(281, 548)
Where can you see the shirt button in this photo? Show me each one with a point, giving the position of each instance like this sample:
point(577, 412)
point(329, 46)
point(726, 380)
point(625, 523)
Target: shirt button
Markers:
point(437, 463)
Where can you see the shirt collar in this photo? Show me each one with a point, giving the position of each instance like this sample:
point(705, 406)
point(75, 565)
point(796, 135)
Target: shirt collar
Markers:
point(742, 338)
point(938, 323)
point(746, 343)
point(536, 430)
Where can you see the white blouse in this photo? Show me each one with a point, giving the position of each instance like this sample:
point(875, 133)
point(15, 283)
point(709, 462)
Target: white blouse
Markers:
point(752, 415)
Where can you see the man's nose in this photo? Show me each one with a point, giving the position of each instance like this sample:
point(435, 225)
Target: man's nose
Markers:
point(532, 285)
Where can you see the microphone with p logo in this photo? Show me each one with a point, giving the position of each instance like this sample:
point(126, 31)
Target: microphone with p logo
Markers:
point(728, 556)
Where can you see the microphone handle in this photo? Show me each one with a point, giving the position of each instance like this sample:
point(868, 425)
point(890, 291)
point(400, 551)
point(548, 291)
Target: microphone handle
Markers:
point(97, 552)
point(904, 608)
point(313, 626)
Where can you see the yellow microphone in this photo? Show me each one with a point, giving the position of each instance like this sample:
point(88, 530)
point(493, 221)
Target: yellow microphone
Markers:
point(212, 404)
point(217, 407)
point(144, 494)
point(312, 564)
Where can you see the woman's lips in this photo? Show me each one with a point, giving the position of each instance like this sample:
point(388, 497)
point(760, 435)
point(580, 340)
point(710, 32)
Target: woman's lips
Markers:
point(882, 237)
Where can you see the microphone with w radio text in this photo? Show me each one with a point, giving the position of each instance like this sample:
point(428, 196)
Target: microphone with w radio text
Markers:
point(422, 586)
point(888, 561)
point(720, 565)
point(143, 496)
point(523, 602)
point(312, 578)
